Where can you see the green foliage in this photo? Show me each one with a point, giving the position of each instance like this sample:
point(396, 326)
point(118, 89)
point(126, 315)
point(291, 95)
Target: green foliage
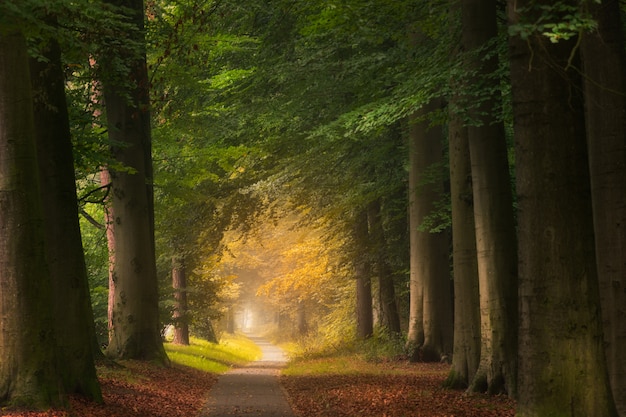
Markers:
point(266, 107)
point(97, 262)
point(348, 358)
point(383, 346)
point(203, 169)
point(558, 21)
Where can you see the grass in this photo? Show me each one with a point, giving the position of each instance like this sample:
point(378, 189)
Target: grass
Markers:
point(351, 364)
point(211, 357)
point(382, 354)
point(339, 365)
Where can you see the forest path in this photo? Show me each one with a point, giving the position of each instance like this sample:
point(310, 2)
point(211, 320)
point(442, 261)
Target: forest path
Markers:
point(252, 390)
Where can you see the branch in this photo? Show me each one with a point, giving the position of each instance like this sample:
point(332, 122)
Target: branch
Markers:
point(84, 199)
point(91, 219)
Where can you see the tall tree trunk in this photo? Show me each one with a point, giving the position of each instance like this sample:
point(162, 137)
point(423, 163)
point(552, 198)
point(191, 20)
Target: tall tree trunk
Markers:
point(302, 325)
point(362, 271)
point(230, 320)
point(604, 66)
point(74, 325)
point(135, 332)
point(389, 317)
point(417, 240)
point(562, 365)
point(94, 99)
point(493, 207)
point(179, 283)
point(105, 181)
point(430, 317)
point(466, 354)
point(29, 369)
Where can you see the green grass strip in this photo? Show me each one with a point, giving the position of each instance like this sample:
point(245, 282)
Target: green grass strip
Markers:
point(233, 350)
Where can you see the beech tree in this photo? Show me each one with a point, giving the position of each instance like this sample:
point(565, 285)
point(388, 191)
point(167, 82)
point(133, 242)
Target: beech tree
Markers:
point(562, 366)
point(430, 317)
point(388, 315)
point(466, 352)
point(604, 66)
point(73, 314)
point(492, 202)
point(135, 325)
point(363, 275)
point(179, 283)
point(29, 372)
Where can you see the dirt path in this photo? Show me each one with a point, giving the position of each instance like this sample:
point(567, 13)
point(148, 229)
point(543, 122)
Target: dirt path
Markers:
point(252, 391)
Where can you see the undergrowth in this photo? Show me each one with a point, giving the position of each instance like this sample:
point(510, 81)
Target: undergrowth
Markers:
point(317, 355)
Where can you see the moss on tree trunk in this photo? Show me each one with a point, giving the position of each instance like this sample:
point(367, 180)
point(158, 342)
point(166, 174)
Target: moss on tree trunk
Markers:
point(29, 367)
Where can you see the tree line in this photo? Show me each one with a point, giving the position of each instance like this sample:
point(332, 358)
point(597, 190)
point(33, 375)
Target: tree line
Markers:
point(472, 152)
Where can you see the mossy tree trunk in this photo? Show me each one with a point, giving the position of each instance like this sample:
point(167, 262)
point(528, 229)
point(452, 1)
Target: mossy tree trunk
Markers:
point(74, 325)
point(29, 369)
point(562, 365)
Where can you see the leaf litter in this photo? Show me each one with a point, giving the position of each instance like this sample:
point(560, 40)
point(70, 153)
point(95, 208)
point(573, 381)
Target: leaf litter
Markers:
point(416, 393)
point(147, 390)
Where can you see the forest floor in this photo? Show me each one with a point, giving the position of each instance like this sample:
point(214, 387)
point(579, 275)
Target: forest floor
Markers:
point(145, 390)
point(398, 389)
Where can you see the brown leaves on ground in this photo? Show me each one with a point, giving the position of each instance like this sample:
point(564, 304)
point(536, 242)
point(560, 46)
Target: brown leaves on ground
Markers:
point(140, 389)
point(418, 393)
point(144, 390)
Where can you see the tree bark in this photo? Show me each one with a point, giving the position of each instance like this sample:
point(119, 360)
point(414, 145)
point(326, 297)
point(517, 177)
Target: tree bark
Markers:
point(73, 314)
point(389, 317)
point(493, 206)
point(466, 353)
point(562, 366)
point(179, 283)
point(29, 369)
point(105, 181)
point(430, 317)
point(135, 324)
point(604, 66)
point(362, 271)
point(301, 321)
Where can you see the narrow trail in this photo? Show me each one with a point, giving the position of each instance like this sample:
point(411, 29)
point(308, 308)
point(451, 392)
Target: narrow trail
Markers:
point(253, 390)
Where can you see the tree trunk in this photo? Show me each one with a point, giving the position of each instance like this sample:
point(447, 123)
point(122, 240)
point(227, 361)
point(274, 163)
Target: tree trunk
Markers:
point(29, 369)
point(493, 208)
point(562, 366)
point(388, 315)
point(179, 283)
point(73, 314)
point(303, 326)
point(134, 321)
point(604, 66)
point(430, 316)
point(466, 354)
point(417, 239)
point(230, 320)
point(362, 271)
point(105, 181)
point(135, 332)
